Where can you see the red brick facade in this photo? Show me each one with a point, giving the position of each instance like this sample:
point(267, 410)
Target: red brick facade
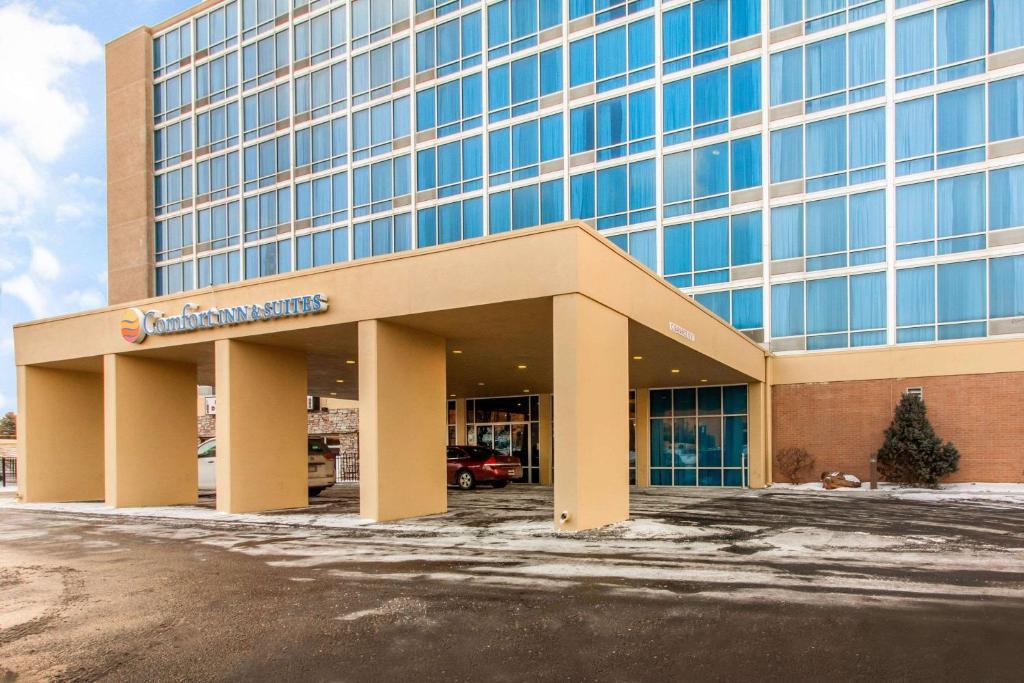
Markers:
point(842, 423)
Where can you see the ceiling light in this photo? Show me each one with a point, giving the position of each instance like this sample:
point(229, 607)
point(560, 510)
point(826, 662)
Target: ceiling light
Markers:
point(521, 367)
point(457, 351)
point(704, 381)
point(526, 391)
point(638, 357)
point(479, 384)
point(675, 371)
point(340, 381)
point(350, 362)
point(451, 395)
point(334, 393)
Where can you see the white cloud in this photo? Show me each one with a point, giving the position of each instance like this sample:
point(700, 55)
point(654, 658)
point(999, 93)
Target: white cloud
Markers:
point(25, 288)
point(40, 114)
point(44, 264)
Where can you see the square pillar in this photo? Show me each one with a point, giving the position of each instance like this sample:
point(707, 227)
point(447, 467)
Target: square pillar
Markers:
point(759, 459)
point(151, 431)
point(460, 421)
point(591, 415)
point(642, 435)
point(60, 435)
point(402, 422)
point(544, 439)
point(262, 428)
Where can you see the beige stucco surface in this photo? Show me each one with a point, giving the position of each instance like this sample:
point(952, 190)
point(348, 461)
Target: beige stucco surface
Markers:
point(60, 435)
point(591, 416)
point(402, 424)
point(149, 428)
point(129, 83)
point(261, 428)
point(912, 360)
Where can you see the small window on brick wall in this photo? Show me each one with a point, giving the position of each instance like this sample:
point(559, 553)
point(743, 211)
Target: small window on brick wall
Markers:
point(915, 391)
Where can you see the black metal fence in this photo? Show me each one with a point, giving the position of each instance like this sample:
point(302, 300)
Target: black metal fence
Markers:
point(8, 471)
point(346, 467)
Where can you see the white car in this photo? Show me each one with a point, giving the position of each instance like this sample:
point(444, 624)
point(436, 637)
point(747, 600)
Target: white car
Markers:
point(320, 466)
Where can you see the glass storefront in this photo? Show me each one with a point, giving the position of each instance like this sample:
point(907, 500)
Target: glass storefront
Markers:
point(699, 436)
point(507, 424)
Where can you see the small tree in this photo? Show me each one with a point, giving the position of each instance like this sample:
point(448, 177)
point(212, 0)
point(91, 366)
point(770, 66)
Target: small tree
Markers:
point(8, 425)
point(794, 463)
point(912, 454)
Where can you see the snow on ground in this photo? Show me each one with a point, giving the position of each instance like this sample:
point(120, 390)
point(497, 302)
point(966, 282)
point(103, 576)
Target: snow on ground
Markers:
point(789, 543)
point(1010, 493)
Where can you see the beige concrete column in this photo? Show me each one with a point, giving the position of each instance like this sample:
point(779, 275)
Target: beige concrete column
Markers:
point(60, 435)
point(402, 425)
point(460, 421)
point(544, 439)
point(758, 451)
point(591, 382)
point(150, 441)
point(261, 428)
point(643, 436)
point(130, 199)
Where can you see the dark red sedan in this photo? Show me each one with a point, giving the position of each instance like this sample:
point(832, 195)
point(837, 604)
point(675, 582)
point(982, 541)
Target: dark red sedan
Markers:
point(470, 465)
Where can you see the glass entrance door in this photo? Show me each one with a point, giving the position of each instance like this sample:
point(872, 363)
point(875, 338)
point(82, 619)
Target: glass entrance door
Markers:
point(508, 425)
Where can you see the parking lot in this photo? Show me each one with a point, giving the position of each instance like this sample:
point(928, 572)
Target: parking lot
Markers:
point(699, 584)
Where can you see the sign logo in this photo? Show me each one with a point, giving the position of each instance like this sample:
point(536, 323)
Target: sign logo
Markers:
point(682, 331)
point(133, 330)
point(136, 325)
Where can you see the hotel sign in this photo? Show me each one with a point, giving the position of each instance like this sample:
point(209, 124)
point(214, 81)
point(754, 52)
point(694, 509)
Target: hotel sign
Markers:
point(682, 332)
point(137, 324)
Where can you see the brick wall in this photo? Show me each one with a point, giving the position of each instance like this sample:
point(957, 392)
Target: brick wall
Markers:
point(842, 423)
point(341, 424)
point(8, 448)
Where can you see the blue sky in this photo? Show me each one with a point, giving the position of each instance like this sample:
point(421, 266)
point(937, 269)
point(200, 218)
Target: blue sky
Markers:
point(53, 245)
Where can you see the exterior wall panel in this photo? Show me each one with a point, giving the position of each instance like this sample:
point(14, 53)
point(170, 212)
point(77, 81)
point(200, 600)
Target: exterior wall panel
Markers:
point(842, 423)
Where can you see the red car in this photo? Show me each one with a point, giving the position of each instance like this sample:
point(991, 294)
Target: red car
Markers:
point(468, 465)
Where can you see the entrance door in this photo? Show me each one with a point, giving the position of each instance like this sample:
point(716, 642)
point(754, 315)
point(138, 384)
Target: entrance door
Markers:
point(509, 425)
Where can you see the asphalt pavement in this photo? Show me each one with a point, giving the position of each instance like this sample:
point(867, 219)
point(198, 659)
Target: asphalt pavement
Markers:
point(700, 586)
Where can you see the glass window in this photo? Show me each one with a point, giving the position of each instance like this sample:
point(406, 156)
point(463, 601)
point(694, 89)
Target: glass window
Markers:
point(1006, 24)
point(1006, 109)
point(1006, 198)
point(1006, 287)
point(788, 309)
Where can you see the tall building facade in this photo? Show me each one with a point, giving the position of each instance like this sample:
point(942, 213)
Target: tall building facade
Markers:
point(821, 173)
point(842, 181)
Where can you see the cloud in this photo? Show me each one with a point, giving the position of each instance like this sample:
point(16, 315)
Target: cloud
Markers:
point(44, 264)
point(40, 114)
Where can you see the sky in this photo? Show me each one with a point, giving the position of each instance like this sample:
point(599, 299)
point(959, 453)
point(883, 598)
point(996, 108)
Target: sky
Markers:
point(53, 248)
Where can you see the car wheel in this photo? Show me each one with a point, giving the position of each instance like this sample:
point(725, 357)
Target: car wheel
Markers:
point(465, 480)
point(499, 483)
point(315, 490)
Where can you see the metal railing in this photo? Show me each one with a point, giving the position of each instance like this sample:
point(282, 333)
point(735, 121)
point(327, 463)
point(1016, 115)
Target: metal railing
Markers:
point(8, 471)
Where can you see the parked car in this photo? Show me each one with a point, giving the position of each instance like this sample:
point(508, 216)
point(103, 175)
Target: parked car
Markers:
point(320, 465)
point(470, 465)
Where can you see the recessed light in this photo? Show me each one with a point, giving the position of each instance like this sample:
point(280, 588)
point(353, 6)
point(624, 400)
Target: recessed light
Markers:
point(340, 381)
point(704, 381)
point(334, 393)
point(526, 391)
point(457, 351)
point(675, 371)
point(451, 395)
point(479, 384)
point(638, 357)
point(350, 362)
point(521, 367)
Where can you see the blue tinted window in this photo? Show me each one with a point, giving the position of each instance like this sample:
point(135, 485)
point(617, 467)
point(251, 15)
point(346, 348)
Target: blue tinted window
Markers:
point(961, 291)
point(787, 76)
point(960, 118)
point(1006, 108)
point(788, 309)
point(746, 238)
point(1006, 198)
point(1006, 24)
point(826, 66)
point(1006, 287)
point(677, 249)
point(788, 232)
point(746, 162)
point(746, 87)
point(961, 31)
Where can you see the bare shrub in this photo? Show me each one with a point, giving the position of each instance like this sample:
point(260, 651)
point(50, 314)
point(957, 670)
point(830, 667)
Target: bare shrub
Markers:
point(794, 463)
